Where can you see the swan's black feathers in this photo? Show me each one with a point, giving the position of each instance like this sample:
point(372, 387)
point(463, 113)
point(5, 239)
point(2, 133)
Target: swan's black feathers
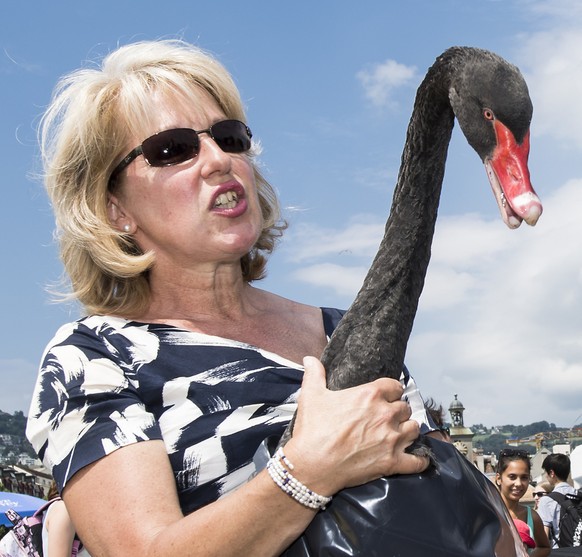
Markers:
point(371, 339)
point(482, 80)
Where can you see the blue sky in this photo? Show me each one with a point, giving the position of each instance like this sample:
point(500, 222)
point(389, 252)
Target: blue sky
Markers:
point(329, 88)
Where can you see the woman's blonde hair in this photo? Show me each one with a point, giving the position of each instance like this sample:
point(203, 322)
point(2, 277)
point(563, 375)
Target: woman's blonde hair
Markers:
point(83, 134)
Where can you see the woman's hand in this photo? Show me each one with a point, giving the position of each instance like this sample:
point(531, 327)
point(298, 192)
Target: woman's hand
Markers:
point(349, 437)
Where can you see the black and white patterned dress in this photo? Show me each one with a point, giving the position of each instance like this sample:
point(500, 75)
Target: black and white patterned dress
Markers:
point(106, 382)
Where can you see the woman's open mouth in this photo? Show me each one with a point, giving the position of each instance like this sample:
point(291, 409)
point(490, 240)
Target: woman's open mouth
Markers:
point(226, 200)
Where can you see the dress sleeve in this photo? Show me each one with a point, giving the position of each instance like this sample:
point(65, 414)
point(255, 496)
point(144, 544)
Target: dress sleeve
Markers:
point(85, 404)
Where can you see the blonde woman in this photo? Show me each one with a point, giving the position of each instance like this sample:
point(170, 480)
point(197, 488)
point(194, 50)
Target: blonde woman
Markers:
point(149, 409)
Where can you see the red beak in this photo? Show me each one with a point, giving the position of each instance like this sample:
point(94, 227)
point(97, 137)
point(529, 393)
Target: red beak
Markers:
point(509, 177)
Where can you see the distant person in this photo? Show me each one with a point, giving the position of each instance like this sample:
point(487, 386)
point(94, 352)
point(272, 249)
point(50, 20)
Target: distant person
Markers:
point(47, 533)
point(541, 489)
point(58, 532)
point(513, 478)
point(557, 469)
point(437, 414)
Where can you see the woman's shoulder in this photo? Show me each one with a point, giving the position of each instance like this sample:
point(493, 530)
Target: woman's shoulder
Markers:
point(330, 316)
point(288, 305)
point(99, 338)
point(97, 327)
point(97, 323)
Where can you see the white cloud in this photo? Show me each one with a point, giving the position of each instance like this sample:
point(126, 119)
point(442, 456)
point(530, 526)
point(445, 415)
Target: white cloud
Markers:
point(551, 61)
point(499, 319)
point(332, 258)
point(447, 288)
point(476, 241)
point(514, 347)
point(360, 238)
point(342, 280)
point(562, 10)
point(380, 80)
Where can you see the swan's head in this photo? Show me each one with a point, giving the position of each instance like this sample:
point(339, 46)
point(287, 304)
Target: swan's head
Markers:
point(491, 102)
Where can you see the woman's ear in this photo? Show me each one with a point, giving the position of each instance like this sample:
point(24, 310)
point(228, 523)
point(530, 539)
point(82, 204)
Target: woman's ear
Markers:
point(117, 217)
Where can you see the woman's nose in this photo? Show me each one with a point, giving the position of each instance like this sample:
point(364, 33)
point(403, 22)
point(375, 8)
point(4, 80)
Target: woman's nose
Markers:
point(212, 157)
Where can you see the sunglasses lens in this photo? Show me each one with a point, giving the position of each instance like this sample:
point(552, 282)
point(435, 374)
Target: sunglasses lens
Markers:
point(171, 147)
point(181, 144)
point(513, 452)
point(231, 136)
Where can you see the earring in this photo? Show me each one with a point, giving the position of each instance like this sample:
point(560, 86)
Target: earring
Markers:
point(126, 228)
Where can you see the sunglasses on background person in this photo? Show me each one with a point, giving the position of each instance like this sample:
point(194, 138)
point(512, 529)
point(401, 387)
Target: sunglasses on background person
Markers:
point(513, 452)
point(178, 145)
point(539, 493)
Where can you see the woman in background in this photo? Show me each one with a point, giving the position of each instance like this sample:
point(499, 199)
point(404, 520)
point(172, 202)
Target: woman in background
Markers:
point(58, 532)
point(513, 478)
point(540, 490)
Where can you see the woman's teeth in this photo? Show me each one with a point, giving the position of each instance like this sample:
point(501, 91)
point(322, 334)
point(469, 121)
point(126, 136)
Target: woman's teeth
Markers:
point(226, 200)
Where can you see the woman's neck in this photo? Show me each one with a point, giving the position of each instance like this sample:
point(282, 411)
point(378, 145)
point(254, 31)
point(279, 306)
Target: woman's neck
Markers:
point(199, 294)
point(514, 507)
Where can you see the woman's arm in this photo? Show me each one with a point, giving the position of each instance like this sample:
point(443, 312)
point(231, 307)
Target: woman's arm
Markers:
point(126, 503)
point(543, 547)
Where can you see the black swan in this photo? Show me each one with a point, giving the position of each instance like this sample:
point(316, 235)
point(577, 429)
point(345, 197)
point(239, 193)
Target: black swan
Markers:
point(490, 100)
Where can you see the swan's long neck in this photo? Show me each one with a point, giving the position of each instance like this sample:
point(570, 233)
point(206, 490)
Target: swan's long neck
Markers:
point(371, 339)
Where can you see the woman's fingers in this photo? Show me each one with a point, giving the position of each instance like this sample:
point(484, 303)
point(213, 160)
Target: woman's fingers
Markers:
point(363, 431)
point(314, 376)
point(412, 464)
point(391, 389)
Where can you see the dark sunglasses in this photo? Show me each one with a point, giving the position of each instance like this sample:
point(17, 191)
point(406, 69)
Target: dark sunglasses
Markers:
point(513, 452)
point(181, 144)
point(539, 493)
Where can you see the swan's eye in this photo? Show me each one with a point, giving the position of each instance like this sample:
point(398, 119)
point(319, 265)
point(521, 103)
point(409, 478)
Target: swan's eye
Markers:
point(488, 113)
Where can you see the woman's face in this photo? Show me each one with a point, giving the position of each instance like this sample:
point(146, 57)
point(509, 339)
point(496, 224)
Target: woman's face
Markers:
point(204, 211)
point(538, 493)
point(514, 480)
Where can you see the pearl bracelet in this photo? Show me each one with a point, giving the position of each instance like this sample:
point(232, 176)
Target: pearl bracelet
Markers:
point(291, 485)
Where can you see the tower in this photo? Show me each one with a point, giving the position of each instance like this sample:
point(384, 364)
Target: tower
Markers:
point(461, 436)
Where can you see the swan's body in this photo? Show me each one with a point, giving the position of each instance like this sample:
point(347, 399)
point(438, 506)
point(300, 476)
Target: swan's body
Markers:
point(491, 102)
